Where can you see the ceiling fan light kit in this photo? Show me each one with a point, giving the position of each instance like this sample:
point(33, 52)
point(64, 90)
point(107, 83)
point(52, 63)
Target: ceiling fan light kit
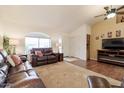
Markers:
point(111, 15)
point(111, 12)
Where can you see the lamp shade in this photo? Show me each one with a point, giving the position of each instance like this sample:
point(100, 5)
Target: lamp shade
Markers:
point(58, 44)
point(13, 42)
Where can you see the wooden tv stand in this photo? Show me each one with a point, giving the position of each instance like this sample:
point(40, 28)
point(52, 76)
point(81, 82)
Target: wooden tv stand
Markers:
point(111, 56)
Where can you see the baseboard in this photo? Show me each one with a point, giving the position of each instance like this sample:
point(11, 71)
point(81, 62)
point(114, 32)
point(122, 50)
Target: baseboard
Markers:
point(93, 59)
point(70, 56)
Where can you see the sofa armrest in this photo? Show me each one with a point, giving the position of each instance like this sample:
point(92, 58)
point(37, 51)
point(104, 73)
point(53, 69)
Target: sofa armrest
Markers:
point(98, 82)
point(57, 55)
point(34, 57)
point(114, 86)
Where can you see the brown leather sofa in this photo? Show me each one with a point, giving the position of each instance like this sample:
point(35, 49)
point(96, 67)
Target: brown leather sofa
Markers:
point(48, 56)
point(20, 76)
point(99, 82)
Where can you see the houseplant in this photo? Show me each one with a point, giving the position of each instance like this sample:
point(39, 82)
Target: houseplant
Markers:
point(6, 45)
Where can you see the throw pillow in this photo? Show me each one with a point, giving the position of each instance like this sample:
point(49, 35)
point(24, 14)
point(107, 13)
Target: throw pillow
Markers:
point(16, 59)
point(10, 61)
point(39, 53)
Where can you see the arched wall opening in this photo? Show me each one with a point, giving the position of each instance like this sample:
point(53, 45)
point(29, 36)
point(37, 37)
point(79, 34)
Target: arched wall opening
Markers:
point(37, 40)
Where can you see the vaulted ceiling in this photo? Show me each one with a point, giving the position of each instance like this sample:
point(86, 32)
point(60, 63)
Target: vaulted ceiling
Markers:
point(62, 18)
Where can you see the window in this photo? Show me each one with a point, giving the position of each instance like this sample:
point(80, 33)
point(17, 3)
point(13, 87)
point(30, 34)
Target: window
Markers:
point(31, 42)
point(44, 43)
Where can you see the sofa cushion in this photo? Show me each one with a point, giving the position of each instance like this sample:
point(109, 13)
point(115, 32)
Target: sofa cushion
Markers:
point(36, 49)
point(30, 82)
point(51, 57)
point(47, 54)
point(16, 59)
point(2, 79)
point(10, 60)
point(17, 77)
point(22, 75)
point(42, 58)
point(20, 68)
point(48, 51)
point(17, 69)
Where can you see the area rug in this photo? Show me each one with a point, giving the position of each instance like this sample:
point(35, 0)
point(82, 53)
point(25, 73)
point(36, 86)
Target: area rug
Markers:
point(66, 75)
point(70, 59)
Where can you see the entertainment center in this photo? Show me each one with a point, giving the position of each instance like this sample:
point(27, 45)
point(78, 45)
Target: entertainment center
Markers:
point(112, 51)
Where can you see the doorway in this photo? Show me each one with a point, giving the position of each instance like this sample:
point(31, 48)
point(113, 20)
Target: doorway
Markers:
point(88, 46)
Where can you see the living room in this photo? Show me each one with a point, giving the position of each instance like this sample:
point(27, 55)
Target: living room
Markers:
point(48, 46)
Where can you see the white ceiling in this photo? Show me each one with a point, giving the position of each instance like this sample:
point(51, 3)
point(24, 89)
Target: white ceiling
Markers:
point(62, 18)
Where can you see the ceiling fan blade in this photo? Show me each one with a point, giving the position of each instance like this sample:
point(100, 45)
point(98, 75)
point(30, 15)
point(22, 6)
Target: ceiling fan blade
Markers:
point(120, 12)
point(120, 8)
point(100, 15)
point(106, 8)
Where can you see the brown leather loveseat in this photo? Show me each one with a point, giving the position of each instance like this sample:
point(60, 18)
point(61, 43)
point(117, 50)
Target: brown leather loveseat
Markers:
point(20, 76)
point(48, 56)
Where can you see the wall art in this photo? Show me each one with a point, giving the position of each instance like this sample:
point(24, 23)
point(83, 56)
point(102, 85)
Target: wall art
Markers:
point(102, 36)
point(118, 33)
point(97, 38)
point(109, 34)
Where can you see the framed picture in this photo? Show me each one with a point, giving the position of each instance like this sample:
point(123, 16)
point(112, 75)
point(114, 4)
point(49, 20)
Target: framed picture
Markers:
point(109, 34)
point(97, 38)
point(102, 36)
point(118, 33)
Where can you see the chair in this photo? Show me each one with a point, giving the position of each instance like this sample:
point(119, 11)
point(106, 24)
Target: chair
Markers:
point(99, 82)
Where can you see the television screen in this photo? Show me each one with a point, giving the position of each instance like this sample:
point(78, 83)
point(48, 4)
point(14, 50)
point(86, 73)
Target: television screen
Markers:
point(115, 43)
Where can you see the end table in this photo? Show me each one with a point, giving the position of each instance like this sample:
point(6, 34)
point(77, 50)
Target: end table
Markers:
point(60, 57)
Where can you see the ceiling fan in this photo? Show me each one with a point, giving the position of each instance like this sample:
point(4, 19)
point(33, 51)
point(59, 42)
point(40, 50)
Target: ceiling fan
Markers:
point(111, 12)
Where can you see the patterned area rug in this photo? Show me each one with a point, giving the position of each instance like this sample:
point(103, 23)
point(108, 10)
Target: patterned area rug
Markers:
point(66, 75)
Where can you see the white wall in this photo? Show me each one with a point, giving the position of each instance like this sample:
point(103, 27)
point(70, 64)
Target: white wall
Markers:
point(74, 43)
point(66, 45)
point(78, 42)
point(19, 32)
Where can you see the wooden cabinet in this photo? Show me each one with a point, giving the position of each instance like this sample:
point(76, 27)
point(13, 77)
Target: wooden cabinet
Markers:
point(60, 57)
point(111, 56)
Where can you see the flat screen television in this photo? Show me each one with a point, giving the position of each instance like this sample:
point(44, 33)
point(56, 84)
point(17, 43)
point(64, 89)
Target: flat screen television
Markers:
point(115, 43)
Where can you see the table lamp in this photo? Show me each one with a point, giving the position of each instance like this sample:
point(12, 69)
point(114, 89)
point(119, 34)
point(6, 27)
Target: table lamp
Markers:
point(13, 43)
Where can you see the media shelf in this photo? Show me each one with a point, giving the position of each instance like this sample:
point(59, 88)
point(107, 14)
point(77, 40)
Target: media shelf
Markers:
point(111, 56)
